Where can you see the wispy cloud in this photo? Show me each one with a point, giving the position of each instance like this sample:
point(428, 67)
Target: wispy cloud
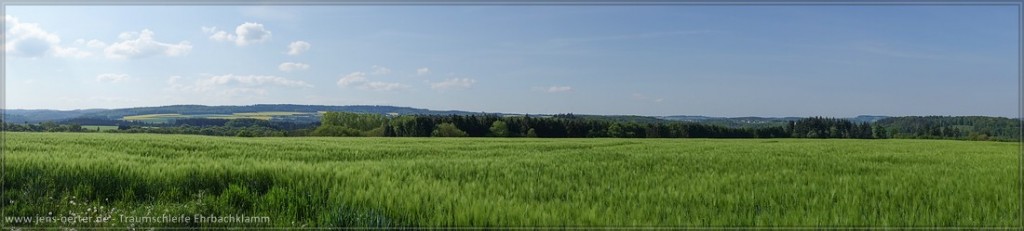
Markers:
point(554, 89)
point(289, 66)
point(453, 83)
point(112, 78)
point(379, 70)
point(231, 85)
point(422, 71)
point(135, 45)
point(251, 80)
point(642, 97)
point(213, 82)
point(245, 34)
point(95, 44)
point(383, 86)
point(361, 81)
point(298, 47)
point(352, 79)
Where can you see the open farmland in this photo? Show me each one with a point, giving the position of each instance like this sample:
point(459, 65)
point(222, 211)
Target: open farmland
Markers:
point(476, 182)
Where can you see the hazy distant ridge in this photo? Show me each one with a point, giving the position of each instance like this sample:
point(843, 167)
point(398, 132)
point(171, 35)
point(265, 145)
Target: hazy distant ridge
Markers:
point(21, 115)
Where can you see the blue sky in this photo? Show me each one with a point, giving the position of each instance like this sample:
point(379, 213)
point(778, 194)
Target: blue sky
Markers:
point(639, 60)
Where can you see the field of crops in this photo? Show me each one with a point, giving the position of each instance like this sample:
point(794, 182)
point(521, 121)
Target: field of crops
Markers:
point(476, 182)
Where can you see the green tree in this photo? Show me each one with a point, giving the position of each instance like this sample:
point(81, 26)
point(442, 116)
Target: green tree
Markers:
point(616, 131)
point(334, 130)
point(447, 130)
point(499, 129)
point(531, 133)
point(879, 132)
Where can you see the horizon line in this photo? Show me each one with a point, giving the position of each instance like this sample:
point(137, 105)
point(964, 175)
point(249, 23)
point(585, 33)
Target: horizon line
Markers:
point(511, 113)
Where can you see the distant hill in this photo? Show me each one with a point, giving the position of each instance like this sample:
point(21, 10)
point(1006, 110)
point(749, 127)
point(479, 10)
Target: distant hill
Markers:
point(33, 116)
point(201, 109)
point(756, 122)
point(734, 122)
point(867, 118)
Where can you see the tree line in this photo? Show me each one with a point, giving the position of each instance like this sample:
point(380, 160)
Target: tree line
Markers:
point(952, 127)
point(570, 126)
point(556, 126)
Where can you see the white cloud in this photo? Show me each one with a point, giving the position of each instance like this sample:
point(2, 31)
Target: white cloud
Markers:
point(454, 83)
point(222, 36)
point(287, 67)
point(209, 30)
point(423, 71)
point(231, 85)
point(69, 52)
point(297, 47)
point(557, 89)
point(352, 78)
point(242, 91)
point(31, 40)
point(359, 80)
point(642, 97)
point(379, 70)
point(250, 80)
point(383, 86)
point(128, 35)
point(134, 45)
point(245, 34)
point(112, 78)
point(249, 33)
point(95, 44)
point(173, 80)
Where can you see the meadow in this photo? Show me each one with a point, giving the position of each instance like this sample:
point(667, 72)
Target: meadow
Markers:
point(485, 182)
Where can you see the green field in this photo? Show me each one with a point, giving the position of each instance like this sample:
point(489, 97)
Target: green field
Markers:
point(473, 182)
point(164, 118)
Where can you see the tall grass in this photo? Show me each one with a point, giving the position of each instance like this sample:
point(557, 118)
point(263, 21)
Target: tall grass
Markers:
point(387, 182)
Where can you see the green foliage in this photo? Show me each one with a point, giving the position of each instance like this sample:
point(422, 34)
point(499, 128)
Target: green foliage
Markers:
point(447, 130)
point(492, 182)
point(499, 129)
point(879, 132)
point(334, 130)
point(616, 131)
point(953, 127)
point(562, 126)
point(820, 127)
point(357, 121)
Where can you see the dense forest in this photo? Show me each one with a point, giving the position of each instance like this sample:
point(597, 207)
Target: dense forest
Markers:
point(952, 127)
point(556, 126)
